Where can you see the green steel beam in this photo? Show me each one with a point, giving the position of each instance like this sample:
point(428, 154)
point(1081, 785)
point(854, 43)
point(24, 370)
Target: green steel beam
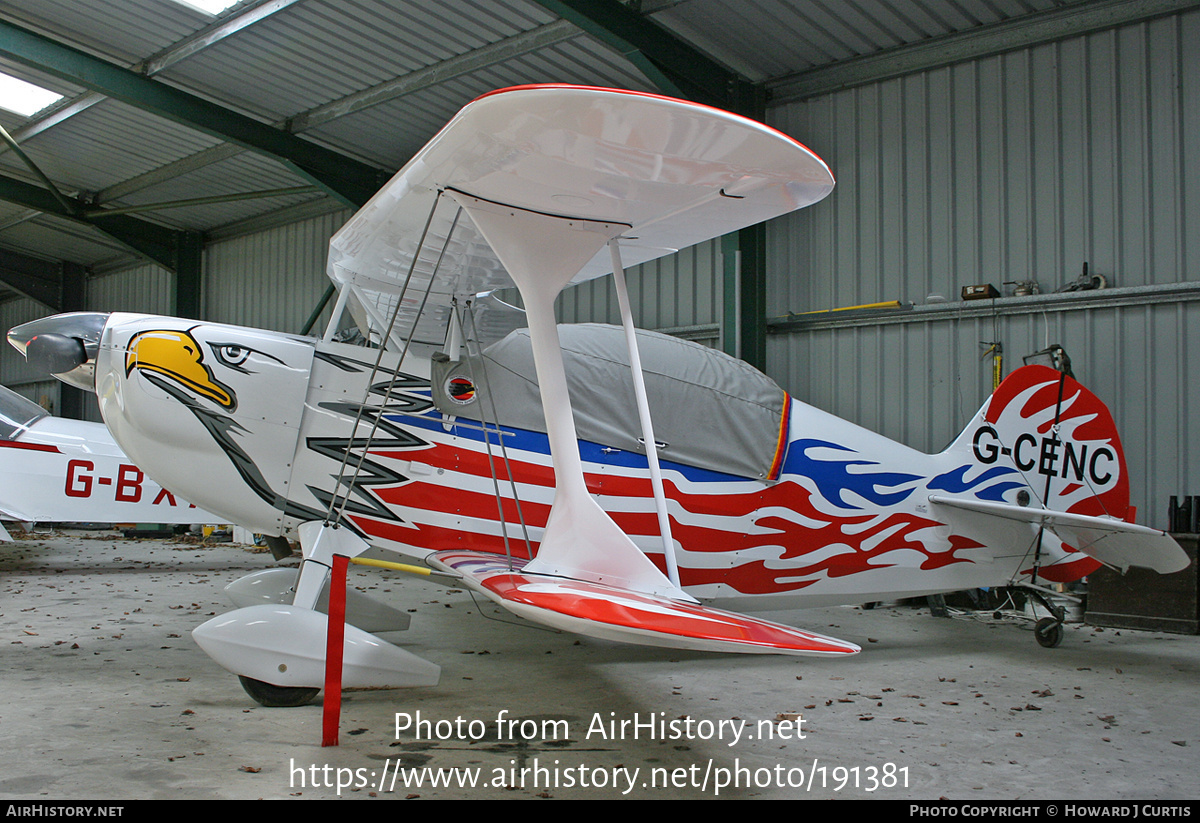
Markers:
point(350, 180)
point(56, 285)
point(61, 287)
point(39, 280)
point(146, 239)
point(72, 401)
point(234, 197)
point(74, 286)
point(751, 282)
point(744, 314)
point(189, 253)
point(731, 343)
point(752, 246)
point(673, 65)
point(316, 312)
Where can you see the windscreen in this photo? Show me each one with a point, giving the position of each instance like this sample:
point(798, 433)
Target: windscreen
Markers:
point(17, 413)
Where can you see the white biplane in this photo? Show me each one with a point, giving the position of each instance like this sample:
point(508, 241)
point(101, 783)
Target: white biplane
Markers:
point(515, 458)
point(67, 471)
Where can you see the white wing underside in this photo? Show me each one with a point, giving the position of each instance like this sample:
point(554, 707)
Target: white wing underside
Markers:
point(675, 173)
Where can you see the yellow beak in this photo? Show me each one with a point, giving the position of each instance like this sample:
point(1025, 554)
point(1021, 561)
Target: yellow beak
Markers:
point(177, 355)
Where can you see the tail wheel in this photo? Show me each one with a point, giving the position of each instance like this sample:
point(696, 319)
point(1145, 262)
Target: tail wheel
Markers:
point(1049, 632)
point(277, 697)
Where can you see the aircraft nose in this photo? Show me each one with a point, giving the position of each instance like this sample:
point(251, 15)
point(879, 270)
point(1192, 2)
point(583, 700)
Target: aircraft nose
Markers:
point(64, 345)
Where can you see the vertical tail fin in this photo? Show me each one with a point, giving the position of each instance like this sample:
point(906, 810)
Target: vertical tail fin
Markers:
point(1059, 439)
point(1058, 436)
point(1061, 442)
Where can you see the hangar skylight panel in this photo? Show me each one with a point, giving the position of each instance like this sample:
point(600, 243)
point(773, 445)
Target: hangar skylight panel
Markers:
point(213, 7)
point(24, 98)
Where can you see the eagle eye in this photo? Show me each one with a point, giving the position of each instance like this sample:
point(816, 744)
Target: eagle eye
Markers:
point(231, 354)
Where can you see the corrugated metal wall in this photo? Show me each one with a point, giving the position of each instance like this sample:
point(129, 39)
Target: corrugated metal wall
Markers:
point(14, 371)
point(1016, 167)
point(149, 289)
point(680, 294)
point(272, 279)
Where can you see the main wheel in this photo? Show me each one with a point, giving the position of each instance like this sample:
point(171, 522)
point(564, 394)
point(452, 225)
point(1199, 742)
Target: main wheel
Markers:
point(1049, 632)
point(277, 697)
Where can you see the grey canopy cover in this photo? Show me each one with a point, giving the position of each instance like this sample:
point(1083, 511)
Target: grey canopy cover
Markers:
point(709, 409)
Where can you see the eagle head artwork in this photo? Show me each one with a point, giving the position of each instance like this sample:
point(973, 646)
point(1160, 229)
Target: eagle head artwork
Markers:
point(171, 389)
point(235, 415)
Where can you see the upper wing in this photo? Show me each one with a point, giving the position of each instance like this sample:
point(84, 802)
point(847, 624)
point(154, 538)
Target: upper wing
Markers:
point(677, 173)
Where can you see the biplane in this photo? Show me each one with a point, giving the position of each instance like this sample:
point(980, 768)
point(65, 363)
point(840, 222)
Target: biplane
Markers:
point(597, 479)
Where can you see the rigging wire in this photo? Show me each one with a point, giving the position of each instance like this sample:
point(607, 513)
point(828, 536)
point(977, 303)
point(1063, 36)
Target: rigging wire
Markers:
point(396, 373)
point(349, 487)
point(472, 333)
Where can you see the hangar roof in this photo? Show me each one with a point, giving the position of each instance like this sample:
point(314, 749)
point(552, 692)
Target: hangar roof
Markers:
point(176, 121)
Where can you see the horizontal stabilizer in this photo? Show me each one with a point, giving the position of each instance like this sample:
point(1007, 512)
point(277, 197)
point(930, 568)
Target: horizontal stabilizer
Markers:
point(612, 613)
point(1113, 542)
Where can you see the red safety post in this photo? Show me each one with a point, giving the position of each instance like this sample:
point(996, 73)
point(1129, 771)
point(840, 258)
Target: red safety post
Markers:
point(334, 646)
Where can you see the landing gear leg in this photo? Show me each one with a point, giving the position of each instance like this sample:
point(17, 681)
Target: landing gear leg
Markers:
point(278, 650)
point(320, 543)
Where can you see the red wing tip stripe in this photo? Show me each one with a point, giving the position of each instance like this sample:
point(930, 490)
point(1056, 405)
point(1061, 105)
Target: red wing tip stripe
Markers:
point(36, 447)
point(635, 611)
point(631, 610)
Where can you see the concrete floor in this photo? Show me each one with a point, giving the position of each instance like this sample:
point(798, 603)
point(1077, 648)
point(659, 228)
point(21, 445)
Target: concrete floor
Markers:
point(107, 697)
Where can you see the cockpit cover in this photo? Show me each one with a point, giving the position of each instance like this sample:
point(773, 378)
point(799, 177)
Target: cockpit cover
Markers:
point(709, 410)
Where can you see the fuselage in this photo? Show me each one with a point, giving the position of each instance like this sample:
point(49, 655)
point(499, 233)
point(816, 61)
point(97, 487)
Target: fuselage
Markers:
point(257, 426)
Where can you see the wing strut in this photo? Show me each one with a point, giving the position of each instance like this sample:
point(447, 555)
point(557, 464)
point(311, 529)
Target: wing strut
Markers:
point(639, 392)
point(542, 252)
